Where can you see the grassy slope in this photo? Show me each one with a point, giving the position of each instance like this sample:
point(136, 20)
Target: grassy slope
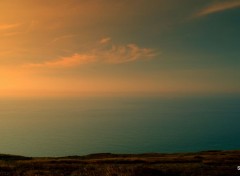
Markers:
point(212, 163)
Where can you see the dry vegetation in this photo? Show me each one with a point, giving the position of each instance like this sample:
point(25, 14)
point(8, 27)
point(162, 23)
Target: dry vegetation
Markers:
point(209, 163)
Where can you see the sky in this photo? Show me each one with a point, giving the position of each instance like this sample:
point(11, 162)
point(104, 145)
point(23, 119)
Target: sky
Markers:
point(157, 47)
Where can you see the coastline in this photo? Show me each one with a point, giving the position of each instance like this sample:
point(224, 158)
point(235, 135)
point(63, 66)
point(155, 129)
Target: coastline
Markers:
point(212, 163)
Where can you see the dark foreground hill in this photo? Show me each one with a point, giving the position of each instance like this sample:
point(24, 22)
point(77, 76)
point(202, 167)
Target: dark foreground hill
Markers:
point(208, 163)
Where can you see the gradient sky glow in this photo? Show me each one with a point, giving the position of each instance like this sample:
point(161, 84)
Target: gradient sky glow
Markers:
point(74, 47)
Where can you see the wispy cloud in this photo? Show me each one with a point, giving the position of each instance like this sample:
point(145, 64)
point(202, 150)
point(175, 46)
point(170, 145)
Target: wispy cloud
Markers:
point(104, 52)
point(76, 59)
point(218, 7)
point(61, 38)
point(126, 53)
point(105, 40)
point(9, 26)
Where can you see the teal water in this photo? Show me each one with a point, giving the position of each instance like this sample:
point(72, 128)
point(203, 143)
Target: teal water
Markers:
point(79, 126)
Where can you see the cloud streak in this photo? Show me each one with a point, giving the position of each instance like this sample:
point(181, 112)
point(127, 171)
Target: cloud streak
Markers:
point(105, 52)
point(105, 40)
point(9, 26)
point(218, 7)
point(71, 61)
point(61, 38)
point(126, 53)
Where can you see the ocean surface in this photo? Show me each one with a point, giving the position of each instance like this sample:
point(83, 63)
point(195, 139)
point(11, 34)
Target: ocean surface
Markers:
point(80, 126)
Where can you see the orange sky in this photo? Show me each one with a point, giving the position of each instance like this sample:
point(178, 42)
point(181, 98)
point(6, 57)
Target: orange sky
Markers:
point(81, 47)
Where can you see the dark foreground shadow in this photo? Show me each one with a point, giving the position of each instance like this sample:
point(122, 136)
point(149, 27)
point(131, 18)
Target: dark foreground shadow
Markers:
point(208, 163)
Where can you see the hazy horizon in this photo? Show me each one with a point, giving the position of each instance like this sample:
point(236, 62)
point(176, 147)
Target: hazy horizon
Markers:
point(81, 126)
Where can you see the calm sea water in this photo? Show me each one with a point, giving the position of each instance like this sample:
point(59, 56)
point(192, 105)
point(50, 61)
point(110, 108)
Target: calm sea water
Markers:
point(79, 126)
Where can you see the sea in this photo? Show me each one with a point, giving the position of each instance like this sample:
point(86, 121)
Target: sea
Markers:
point(41, 127)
